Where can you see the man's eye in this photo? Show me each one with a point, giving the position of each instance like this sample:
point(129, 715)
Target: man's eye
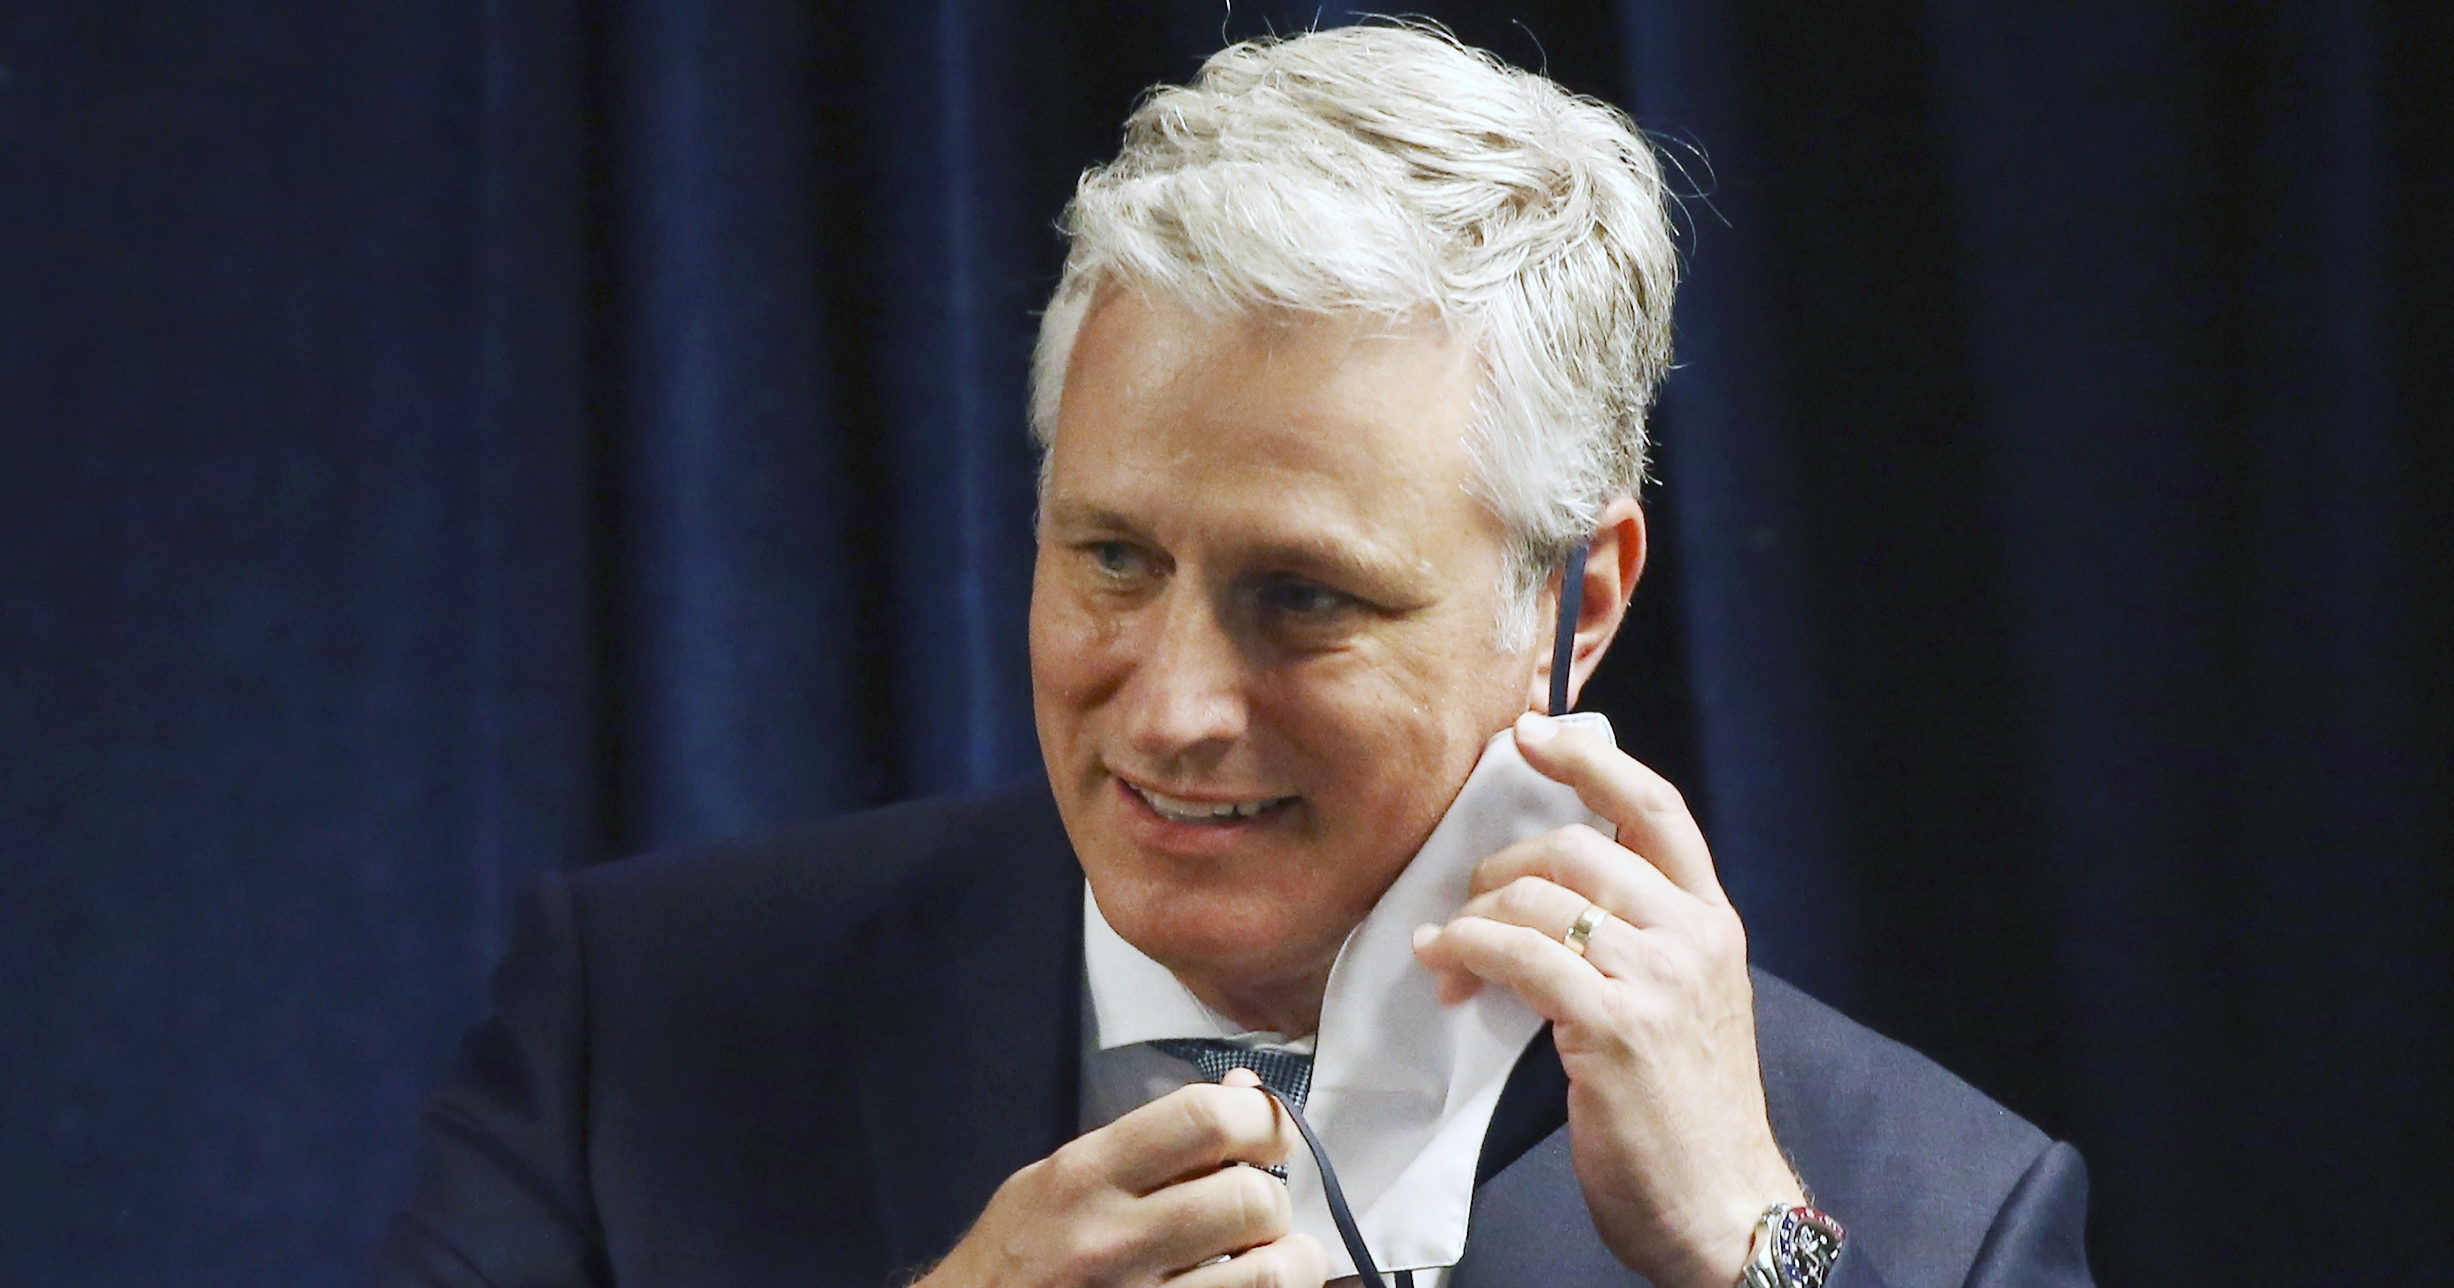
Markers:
point(1115, 558)
point(1293, 597)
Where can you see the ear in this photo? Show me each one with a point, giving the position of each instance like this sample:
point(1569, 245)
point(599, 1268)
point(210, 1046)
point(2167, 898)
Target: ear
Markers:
point(1612, 566)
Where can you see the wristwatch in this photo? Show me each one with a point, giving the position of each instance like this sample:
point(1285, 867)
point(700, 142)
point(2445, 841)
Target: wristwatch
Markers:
point(1794, 1247)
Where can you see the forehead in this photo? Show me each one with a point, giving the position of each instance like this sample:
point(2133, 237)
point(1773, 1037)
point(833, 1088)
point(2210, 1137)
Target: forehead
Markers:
point(1284, 421)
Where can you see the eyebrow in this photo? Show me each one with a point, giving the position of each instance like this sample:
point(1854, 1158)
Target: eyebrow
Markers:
point(1369, 568)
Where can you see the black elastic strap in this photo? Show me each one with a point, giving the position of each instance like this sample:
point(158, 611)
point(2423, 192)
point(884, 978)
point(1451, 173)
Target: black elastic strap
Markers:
point(1339, 1214)
point(1571, 606)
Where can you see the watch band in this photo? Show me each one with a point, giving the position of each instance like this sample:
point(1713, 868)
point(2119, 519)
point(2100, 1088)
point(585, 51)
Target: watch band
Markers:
point(1794, 1247)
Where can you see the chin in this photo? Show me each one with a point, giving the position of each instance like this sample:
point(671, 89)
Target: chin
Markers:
point(1226, 939)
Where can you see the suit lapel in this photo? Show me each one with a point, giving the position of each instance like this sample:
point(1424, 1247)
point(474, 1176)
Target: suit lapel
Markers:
point(975, 1003)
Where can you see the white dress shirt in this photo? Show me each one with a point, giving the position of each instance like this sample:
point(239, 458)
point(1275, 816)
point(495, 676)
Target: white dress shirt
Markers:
point(1402, 1087)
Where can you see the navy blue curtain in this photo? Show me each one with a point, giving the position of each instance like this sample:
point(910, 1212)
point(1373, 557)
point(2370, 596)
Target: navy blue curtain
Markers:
point(444, 441)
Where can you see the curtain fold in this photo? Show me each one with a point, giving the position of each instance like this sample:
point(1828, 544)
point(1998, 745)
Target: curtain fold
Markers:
point(960, 284)
point(444, 442)
point(732, 595)
point(1760, 711)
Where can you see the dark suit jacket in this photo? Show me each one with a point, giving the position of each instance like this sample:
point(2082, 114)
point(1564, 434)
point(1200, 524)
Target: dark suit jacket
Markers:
point(809, 1059)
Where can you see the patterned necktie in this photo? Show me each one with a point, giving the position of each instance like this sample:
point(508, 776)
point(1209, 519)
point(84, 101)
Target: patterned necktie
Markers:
point(1284, 1072)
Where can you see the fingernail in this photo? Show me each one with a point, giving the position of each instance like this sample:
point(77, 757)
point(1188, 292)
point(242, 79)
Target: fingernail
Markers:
point(1424, 934)
point(1534, 728)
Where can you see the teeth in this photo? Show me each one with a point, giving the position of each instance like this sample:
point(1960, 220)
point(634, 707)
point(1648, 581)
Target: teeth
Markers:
point(1184, 811)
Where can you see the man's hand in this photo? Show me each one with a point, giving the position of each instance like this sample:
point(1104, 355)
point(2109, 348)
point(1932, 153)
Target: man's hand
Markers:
point(1150, 1198)
point(1655, 1024)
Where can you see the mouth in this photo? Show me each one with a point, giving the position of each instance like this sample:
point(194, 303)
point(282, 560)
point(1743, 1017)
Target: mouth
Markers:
point(1206, 813)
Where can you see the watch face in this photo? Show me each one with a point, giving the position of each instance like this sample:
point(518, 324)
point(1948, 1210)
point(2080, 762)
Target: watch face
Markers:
point(1807, 1245)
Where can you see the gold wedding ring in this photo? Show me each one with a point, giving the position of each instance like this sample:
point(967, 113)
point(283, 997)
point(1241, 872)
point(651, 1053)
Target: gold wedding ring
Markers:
point(1581, 933)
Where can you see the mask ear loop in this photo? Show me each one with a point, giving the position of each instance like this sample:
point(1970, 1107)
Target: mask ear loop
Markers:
point(1571, 607)
point(1340, 1214)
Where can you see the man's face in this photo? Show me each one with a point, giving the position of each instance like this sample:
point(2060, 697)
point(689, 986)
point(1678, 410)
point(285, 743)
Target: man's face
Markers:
point(1263, 631)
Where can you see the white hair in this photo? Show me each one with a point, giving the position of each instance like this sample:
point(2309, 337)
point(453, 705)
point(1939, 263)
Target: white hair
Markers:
point(1390, 171)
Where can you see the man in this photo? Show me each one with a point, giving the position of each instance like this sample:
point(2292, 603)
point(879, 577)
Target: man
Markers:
point(1352, 354)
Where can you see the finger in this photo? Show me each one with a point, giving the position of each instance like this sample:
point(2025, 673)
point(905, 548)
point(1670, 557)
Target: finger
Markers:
point(1533, 903)
point(1295, 1261)
point(1553, 980)
point(1450, 983)
point(1615, 947)
point(1591, 865)
point(1187, 1132)
point(1652, 817)
point(1246, 1078)
point(1226, 1211)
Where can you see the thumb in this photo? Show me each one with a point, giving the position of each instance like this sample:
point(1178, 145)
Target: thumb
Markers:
point(1283, 1146)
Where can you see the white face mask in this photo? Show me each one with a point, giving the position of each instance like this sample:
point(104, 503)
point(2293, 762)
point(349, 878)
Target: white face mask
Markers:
point(1403, 1087)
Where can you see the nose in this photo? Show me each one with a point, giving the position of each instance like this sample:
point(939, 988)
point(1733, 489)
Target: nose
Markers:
point(1185, 694)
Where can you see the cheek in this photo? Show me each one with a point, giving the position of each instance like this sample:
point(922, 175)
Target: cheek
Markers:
point(1055, 658)
point(1075, 655)
point(1391, 740)
point(1447, 682)
point(1407, 738)
point(1046, 639)
point(1058, 626)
